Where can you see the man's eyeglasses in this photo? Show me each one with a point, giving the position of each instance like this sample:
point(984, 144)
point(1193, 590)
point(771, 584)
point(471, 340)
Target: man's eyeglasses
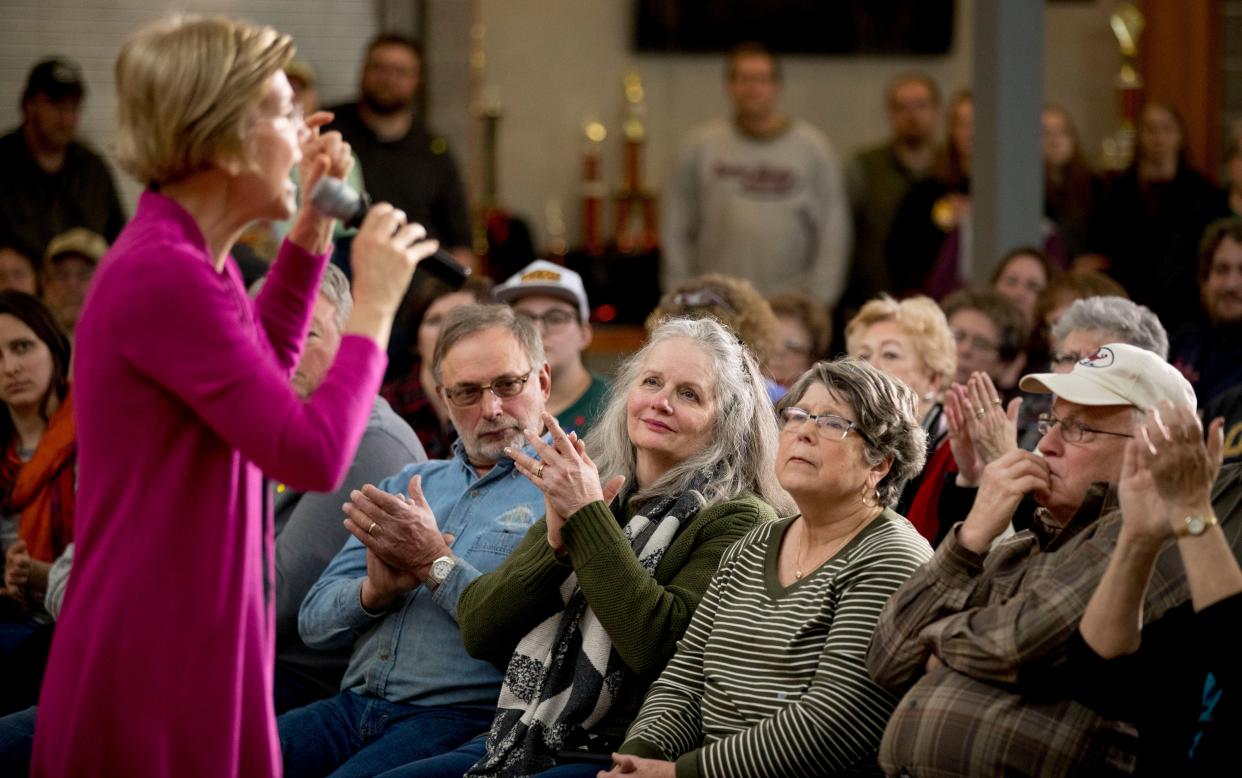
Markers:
point(830, 425)
point(1065, 358)
point(1073, 431)
point(551, 320)
point(504, 387)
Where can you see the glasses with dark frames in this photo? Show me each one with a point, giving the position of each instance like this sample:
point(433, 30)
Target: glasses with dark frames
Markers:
point(504, 387)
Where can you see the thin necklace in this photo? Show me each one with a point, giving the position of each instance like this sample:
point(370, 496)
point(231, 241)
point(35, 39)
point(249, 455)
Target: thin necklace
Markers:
point(802, 546)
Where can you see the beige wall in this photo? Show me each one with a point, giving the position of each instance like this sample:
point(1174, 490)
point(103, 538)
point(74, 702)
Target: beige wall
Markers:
point(554, 62)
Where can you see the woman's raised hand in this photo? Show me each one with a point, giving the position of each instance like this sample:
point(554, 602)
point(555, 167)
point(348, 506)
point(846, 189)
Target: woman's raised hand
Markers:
point(566, 475)
point(993, 428)
point(323, 154)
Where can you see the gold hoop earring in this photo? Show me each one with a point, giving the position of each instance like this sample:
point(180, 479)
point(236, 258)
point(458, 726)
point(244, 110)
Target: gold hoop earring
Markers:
point(864, 495)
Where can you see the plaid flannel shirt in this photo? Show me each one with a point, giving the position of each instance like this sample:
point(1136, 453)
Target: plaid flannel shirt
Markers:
point(1001, 625)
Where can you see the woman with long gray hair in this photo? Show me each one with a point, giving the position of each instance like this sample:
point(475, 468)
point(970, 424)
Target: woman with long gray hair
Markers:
point(590, 606)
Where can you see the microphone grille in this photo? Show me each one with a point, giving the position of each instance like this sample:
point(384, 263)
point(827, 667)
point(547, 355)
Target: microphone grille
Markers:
point(335, 198)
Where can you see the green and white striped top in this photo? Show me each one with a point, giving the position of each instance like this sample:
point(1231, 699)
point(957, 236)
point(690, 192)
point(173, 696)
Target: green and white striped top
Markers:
point(771, 680)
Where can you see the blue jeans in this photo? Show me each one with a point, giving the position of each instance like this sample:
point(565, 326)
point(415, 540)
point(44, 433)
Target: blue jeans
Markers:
point(362, 736)
point(454, 764)
point(17, 743)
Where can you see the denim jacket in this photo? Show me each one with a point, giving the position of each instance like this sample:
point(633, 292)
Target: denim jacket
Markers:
point(413, 653)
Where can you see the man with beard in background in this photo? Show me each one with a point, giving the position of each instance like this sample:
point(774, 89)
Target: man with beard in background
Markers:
point(405, 163)
point(1210, 355)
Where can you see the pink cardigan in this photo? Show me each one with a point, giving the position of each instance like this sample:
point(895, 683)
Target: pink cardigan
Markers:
point(161, 664)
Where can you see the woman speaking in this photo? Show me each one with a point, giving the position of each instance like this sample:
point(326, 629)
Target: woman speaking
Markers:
point(162, 659)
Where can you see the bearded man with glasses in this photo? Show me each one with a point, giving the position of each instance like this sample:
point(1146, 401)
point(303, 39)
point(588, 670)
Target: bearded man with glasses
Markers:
point(420, 538)
point(982, 631)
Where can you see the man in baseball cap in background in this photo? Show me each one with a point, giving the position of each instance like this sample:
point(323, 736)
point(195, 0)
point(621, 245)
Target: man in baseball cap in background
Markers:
point(554, 299)
point(68, 266)
point(52, 182)
point(983, 632)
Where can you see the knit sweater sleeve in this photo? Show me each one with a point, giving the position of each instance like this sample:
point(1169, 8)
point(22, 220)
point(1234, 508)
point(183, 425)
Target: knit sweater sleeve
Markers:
point(497, 609)
point(644, 617)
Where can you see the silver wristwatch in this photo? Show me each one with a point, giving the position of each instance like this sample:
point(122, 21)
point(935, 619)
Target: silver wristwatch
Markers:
point(440, 569)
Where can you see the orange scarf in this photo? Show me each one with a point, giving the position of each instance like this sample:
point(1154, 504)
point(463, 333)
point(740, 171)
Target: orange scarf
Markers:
point(43, 489)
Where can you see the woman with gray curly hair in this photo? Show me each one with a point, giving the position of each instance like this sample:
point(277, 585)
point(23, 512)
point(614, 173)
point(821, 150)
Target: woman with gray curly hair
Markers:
point(588, 609)
point(770, 679)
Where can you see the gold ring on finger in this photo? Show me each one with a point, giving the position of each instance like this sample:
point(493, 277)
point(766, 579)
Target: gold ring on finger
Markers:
point(539, 471)
point(371, 529)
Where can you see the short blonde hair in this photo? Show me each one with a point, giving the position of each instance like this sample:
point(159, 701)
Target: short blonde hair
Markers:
point(186, 87)
point(921, 319)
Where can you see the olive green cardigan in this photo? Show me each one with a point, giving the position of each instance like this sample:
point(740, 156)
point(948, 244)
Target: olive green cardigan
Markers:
point(644, 615)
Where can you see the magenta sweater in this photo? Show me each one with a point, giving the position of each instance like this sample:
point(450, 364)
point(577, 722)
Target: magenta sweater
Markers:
point(161, 663)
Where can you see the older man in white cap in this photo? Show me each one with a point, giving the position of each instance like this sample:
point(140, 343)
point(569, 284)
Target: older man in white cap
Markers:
point(553, 298)
point(985, 631)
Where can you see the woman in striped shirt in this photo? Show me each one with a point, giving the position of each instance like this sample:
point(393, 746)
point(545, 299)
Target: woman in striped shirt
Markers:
point(769, 679)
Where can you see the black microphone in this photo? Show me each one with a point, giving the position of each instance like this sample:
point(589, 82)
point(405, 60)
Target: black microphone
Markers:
point(337, 199)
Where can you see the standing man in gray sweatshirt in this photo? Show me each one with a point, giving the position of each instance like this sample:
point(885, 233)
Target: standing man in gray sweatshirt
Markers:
point(760, 195)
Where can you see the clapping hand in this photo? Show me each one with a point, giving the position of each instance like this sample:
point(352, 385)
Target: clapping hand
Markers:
point(1167, 471)
point(16, 569)
point(400, 531)
point(566, 475)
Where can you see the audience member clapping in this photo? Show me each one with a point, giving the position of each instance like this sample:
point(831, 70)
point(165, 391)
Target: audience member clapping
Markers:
point(1180, 664)
point(589, 608)
point(983, 629)
point(849, 439)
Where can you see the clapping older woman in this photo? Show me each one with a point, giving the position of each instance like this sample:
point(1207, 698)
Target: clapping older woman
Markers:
point(590, 606)
point(770, 678)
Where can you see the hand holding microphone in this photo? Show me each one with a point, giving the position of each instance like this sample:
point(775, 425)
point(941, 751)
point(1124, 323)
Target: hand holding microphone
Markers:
point(386, 250)
point(339, 200)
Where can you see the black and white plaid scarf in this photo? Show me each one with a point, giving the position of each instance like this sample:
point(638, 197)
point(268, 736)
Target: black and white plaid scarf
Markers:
point(565, 674)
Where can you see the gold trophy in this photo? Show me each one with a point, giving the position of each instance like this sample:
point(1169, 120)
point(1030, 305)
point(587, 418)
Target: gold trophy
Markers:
point(1127, 24)
point(636, 215)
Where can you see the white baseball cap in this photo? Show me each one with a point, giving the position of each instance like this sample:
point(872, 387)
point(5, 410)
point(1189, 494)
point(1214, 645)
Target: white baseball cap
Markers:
point(544, 277)
point(1116, 374)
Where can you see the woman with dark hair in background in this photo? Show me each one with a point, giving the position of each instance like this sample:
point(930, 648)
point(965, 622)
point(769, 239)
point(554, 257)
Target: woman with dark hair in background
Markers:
point(1073, 194)
point(1156, 213)
point(38, 454)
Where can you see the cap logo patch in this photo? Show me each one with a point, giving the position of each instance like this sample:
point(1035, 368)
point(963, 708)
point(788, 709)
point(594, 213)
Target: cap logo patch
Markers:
point(541, 275)
point(1103, 357)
